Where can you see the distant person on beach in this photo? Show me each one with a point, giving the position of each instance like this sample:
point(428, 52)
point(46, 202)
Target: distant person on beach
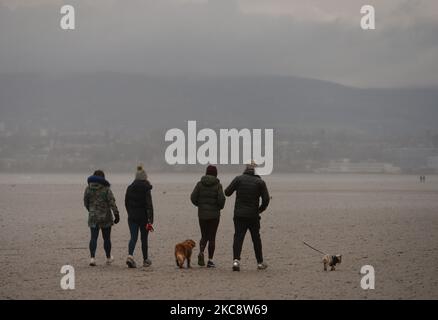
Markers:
point(138, 203)
point(249, 189)
point(99, 201)
point(209, 197)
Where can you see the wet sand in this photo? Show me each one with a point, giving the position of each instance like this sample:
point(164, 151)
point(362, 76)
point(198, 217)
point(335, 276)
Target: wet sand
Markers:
point(389, 222)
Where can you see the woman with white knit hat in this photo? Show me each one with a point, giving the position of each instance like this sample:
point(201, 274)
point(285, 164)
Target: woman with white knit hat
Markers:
point(138, 203)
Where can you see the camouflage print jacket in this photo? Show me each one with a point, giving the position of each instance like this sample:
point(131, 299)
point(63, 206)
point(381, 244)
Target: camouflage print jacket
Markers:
point(99, 201)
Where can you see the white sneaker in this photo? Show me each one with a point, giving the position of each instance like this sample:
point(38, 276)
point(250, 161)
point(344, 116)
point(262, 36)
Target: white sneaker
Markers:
point(130, 262)
point(109, 260)
point(236, 265)
point(92, 262)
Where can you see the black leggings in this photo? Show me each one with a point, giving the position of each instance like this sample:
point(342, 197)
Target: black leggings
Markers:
point(208, 234)
point(106, 234)
point(241, 225)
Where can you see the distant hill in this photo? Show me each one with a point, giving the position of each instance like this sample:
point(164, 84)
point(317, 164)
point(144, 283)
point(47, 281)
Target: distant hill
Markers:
point(132, 102)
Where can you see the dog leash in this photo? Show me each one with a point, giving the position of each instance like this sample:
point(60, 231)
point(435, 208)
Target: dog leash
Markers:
point(313, 247)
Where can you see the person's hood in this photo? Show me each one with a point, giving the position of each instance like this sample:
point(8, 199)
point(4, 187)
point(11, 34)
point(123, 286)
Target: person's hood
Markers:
point(98, 180)
point(96, 186)
point(208, 180)
point(142, 183)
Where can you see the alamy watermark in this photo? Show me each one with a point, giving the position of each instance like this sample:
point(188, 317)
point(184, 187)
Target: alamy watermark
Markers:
point(228, 146)
point(68, 280)
point(368, 281)
point(367, 21)
point(68, 19)
point(225, 147)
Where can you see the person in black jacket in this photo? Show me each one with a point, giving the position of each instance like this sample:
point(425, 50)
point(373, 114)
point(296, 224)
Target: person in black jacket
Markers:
point(249, 189)
point(138, 203)
point(209, 197)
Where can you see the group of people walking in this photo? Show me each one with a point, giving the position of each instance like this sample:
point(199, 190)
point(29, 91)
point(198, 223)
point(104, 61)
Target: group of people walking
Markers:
point(101, 206)
point(252, 198)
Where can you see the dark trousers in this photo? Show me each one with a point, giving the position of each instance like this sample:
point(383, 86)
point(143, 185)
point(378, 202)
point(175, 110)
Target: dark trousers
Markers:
point(106, 234)
point(208, 235)
point(241, 225)
point(133, 229)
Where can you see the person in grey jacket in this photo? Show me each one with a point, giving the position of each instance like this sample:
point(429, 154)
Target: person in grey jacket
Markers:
point(249, 189)
point(209, 197)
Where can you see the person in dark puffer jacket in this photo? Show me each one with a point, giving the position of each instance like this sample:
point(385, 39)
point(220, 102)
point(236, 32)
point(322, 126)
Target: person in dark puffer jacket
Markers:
point(249, 189)
point(209, 197)
point(138, 203)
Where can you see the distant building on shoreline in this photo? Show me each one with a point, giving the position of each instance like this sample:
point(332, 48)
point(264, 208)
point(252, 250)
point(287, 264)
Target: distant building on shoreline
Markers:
point(346, 166)
point(412, 159)
point(432, 163)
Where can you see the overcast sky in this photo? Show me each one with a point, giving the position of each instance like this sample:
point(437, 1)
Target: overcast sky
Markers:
point(318, 39)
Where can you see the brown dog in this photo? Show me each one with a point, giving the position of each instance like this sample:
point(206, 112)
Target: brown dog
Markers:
point(183, 251)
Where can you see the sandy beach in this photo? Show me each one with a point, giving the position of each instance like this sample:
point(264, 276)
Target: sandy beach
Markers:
point(387, 221)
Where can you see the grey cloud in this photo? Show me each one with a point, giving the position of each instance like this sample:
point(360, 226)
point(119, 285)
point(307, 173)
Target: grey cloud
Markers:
point(171, 37)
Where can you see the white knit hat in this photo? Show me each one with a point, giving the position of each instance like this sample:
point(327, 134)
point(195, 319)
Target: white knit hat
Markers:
point(252, 165)
point(141, 174)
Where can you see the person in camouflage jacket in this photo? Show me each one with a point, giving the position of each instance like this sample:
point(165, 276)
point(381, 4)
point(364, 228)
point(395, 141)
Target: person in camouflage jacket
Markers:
point(101, 205)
